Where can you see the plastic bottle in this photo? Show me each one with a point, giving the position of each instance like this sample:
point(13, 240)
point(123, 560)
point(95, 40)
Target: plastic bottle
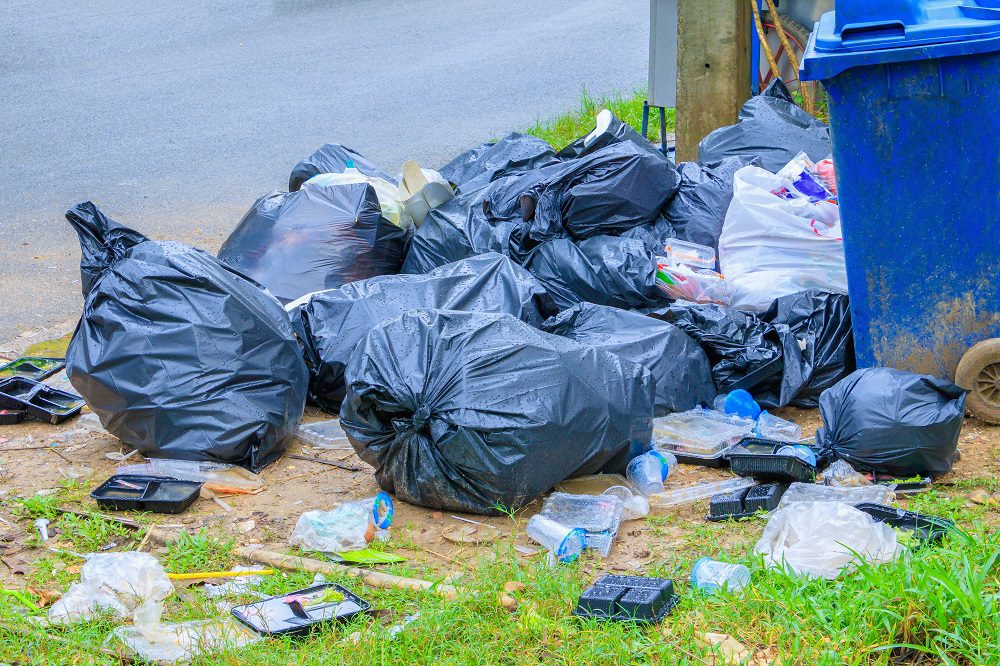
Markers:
point(738, 403)
point(648, 471)
point(710, 576)
point(564, 543)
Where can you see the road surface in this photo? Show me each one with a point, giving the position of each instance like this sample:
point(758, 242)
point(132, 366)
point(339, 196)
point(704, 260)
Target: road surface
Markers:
point(174, 117)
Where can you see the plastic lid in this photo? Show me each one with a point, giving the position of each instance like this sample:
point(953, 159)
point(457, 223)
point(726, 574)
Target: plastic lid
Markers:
point(572, 545)
point(860, 32)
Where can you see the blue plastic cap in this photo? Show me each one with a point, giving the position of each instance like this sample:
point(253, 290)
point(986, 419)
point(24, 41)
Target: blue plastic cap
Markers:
point(863, 32)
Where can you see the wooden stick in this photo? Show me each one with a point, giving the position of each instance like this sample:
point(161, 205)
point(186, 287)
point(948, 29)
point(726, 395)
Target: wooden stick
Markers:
point(323, 461)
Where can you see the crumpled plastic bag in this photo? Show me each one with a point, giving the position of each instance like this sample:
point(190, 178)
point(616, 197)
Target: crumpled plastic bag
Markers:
point(120, 583)
point(820, 539)
point(183, 641)
point(771, 246)
point(349, 526)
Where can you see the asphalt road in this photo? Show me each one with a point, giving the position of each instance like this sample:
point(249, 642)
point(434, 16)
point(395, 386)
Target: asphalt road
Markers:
point(174, 117)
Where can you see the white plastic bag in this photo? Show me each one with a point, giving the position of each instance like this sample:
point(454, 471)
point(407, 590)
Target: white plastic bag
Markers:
point(350, 526)
point(122, 583)
point(182, 642)
point(773, 247)
point(820, 539)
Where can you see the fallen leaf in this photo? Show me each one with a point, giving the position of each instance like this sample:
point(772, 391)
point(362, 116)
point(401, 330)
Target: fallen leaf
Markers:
point(512, 586)
point(980, 496)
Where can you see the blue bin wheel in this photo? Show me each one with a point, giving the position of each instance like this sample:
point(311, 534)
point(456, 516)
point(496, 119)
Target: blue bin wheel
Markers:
point(979, 373)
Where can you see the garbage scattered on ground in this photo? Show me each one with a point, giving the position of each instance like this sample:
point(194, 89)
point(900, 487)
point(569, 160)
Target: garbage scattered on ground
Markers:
point(711, 576)
point(649, 471)
point(702, 491)
point(148, 382)
point(699, 436)
point(38, 401)
point(893, 422)
point(852, 496)
point(925, 529)
point(324, 435)
point(599, 516)
point(627, 599)
point(350, 526)
point(124, 584)
point(36, 368)
point(216, 477)
point(823, 539)
point(840, 473)
point(126, 492)
point(563, 543)
point(301, 611)
point(181, 642)
point(745, 502)
point(769, 461)
point(413, 424)
point(634, 505)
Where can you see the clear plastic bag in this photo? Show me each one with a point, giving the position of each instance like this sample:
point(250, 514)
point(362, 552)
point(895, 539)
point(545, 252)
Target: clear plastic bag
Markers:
point(820, 539)
point(687, 283)
point(217, 477)
point(774, 427)
point(123, 584)
point(841, 474)
point(182, 642)
point(350, 526)
point(812, 492)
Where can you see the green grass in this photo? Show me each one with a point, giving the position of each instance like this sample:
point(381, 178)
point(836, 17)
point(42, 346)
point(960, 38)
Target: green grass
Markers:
point(563, 129)
point(938, 601)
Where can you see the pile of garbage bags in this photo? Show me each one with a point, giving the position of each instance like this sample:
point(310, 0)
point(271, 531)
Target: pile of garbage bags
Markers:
point(488, 329)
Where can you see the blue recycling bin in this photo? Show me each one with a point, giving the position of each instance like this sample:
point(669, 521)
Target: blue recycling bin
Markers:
point(914, 90)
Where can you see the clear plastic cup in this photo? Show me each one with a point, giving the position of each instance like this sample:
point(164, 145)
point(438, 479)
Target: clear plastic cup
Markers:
point(648, 471)
point(565, 543)
point(634, 506)
point(710, 576)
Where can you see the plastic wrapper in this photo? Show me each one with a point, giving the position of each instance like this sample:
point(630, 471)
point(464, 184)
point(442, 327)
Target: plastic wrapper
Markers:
point(333, 158)
point(694, 285)
point(324, 434)
point(176, 352)
point(217, 477)
point(798, 493)
point(599, 516)
point(893, 422)
point(774, 427)
point(320, 237)
point(841, 474)
point(182, 642)
point(771, 246)
point(331, 324)
point(446, 406)
point(699, 431)
point(801, 180)
point(563, 543)
point(124, 584)
point(606, 192)
point(678, 364)
point(823, 540)
point(772, 128)
point(350, 526)
point(620, 272)
point(698, 210)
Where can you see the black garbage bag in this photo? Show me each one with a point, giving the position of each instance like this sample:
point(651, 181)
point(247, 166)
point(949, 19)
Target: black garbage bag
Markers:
point(606, 270)
point(321, 237)
point(745, 352)
point(892, 422)
point(654, 236)
point(473, 411)
point(699, 209)
point(442, 238)
point(770, 127)
point(179, 355)
point(608, 130)
point(822, 349)
point(606, 192)
point(679, 366)
point(476, 168)
point(330, 324)
point(332, 158)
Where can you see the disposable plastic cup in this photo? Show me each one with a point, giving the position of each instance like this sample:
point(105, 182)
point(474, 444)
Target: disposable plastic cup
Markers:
point(648, 471)
point(710, 576)
point(563, 542)
point(634, 506)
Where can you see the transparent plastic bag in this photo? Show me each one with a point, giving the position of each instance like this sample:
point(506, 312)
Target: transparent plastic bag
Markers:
point(820, 539)
point(841, 474)
point(350, 526)
point(774, 427)
point(121, 583)
point(217, 477)
point(182, 642)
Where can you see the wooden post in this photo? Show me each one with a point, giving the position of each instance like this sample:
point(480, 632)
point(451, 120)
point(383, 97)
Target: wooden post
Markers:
point(713, 68)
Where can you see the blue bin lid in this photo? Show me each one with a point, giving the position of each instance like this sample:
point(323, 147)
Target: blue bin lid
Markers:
point(873, 32)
